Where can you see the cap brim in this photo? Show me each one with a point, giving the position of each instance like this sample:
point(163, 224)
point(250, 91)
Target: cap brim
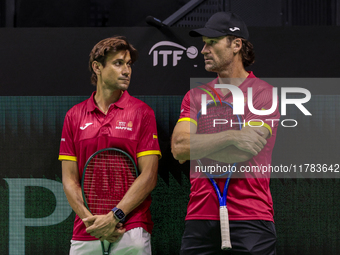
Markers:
point(205, 32)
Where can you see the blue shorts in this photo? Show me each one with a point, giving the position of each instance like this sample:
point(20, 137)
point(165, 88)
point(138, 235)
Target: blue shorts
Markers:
point(203, 237)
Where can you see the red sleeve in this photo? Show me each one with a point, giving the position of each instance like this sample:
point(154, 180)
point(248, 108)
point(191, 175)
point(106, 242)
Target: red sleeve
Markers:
point(67, 149)
point(148, 140)
point(188, 108)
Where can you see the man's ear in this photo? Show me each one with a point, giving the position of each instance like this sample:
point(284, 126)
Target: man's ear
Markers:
point(96, 67)
point(237, 45)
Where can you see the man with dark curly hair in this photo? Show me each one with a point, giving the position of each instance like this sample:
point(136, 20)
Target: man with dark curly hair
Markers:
point(227, 52)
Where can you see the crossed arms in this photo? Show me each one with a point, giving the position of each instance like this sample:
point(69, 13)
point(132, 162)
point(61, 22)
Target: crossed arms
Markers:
point(228, 146)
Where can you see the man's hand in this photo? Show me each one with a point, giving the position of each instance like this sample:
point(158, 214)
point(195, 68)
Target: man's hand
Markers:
point(117, 234)
point(101, 226)
point(88, 223)
point(250, 140)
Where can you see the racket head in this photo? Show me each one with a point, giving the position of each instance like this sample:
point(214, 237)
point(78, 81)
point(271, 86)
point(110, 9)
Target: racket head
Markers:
point(205, 125)
point(107, 175)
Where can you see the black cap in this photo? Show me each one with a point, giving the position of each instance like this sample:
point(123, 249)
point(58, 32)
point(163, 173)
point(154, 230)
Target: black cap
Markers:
point(222, 23)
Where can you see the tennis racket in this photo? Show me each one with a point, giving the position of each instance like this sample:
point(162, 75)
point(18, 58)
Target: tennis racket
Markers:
point(107, 176)
point(219, 110)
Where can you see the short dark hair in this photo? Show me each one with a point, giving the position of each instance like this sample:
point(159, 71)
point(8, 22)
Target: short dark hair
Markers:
point(109, 45)
point(247, 51)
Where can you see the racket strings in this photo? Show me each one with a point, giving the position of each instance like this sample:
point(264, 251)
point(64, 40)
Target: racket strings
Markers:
point(107, 178)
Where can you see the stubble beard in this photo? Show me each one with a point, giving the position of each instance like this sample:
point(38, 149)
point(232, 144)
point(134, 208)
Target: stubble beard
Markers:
point(218, 67)
point(213, 67)
point(210, 67)
point(120, 86)
point(123, 86)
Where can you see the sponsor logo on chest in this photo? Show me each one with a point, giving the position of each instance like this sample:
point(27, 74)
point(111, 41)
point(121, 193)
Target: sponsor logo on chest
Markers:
point(124, 125)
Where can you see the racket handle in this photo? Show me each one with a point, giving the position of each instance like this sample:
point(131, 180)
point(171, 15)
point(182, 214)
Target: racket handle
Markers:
point(225, 233)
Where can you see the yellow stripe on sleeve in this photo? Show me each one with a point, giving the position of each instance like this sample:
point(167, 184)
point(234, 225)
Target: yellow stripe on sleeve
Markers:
point(146, 153)
point(70, 158)
point(255, 123)
point(187, 119)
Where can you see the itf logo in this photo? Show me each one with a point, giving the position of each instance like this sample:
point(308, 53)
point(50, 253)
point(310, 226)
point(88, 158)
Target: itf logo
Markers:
point(191, 52)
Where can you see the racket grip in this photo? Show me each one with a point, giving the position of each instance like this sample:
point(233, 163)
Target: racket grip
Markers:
point(225, 232)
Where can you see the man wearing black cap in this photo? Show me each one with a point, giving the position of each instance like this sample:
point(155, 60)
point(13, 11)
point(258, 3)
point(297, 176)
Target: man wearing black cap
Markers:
point(227, 52)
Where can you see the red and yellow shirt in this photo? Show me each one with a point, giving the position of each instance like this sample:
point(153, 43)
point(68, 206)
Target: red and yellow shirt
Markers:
point(249, 197)
point(129, 125)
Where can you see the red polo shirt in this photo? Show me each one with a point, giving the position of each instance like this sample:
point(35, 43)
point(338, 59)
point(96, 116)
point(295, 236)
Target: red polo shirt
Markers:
point(249, 196)
point(129, 125)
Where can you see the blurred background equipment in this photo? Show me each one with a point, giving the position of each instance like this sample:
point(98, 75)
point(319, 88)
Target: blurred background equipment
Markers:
point(130, 13)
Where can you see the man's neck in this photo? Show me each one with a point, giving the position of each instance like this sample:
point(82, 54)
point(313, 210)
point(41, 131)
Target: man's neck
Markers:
point(233, 75)
point(105, 97)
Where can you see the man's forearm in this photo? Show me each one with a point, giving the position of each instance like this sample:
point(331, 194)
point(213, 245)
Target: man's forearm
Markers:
point(137, 193)
point(195, 146)
point(142, 186)
point(72, 188)
point(74, 196)
point(187, 145)
point(230, 154)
